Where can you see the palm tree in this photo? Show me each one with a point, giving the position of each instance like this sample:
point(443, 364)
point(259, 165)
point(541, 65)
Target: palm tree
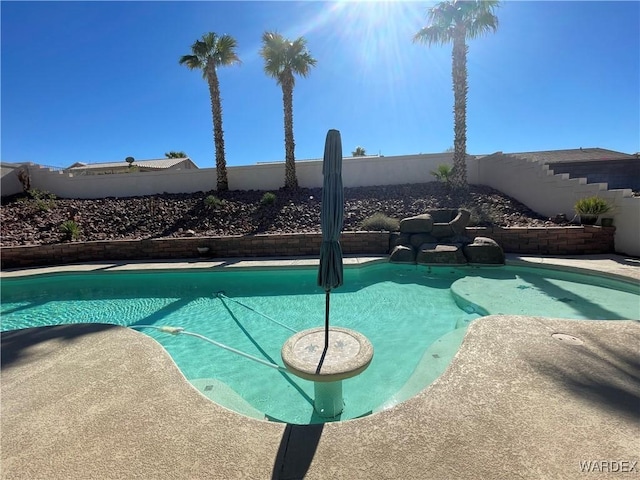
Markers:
point(455, 21)
point(359, 152)
point(207, 54)
point(282, 59)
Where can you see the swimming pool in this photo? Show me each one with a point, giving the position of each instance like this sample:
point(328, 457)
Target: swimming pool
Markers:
point(415, 318)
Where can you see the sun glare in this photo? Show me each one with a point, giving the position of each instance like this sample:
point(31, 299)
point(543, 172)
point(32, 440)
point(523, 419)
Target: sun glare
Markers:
point(375, 32)
point(377, 38)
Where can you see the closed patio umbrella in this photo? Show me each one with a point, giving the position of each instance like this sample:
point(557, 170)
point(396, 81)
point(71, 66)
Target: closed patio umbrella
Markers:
point(330, 273)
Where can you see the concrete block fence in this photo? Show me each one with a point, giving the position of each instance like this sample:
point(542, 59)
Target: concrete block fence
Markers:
point(542, 241)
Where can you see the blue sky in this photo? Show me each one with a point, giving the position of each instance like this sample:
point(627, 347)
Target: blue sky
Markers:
point(100, 81)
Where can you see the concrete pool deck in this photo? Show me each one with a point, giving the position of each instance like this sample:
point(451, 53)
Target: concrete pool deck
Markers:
point(95, 401)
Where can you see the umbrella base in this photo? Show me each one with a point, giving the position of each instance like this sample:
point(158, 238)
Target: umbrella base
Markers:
point(328, 402)
point(348, 354)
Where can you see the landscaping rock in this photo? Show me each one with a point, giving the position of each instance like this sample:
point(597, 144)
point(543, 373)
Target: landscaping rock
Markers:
point(23, 221)
point(402, 254)
point(442, 230)
point(399, 239)
point(449, 222)
point(418, 224)
point(484, 251)
point(418, 239)
point(440, 254)
point(461, 221)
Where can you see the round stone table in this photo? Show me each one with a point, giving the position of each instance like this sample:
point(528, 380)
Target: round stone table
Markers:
point(348, 355)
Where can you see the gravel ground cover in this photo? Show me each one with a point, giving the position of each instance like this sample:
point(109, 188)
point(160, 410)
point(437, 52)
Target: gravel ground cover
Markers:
point(36, 219)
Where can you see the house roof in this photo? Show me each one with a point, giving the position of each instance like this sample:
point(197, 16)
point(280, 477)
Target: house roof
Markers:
point(160, 164)
point(574, 155)
point(11, 164)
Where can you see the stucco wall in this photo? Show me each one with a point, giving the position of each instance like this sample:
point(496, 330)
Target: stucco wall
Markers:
point(10, 185)
point(627, 220)
point(66, 185)
point(356, 172)
point(538, 187)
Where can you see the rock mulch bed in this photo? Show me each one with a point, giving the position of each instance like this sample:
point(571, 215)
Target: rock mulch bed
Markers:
point(31, 221)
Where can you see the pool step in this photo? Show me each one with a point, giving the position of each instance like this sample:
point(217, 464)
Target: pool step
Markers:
point(224, 395)
point(433, 363)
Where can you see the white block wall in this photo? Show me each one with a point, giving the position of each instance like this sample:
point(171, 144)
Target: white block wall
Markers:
point(535, 185)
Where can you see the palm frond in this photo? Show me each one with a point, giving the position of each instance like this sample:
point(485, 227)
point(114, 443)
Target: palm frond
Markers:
point(434, 35)
point(283, 58)
point(273, 52)
point(226, 54)
point(191, 61)
point(211, 48)
point(476, 16)
point(482, 23)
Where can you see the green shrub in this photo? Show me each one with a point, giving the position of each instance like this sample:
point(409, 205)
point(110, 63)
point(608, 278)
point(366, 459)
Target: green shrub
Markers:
point(43, 200)
point(70, 229)
point(443, 173)
point(44, 205)
point(380, 222)
point(212, 202)
point(268, 199)
point(41, 194)
point(592, 206)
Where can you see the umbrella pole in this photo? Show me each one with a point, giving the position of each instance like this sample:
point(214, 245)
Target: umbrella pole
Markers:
point(326, 320)
point(326, 333)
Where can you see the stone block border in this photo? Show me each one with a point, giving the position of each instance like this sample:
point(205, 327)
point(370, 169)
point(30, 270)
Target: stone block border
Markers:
point(574, 240)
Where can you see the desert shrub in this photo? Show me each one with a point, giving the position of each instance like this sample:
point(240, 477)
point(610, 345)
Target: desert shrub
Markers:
point(212, 202)
point(41, 194)
point(592, 206)
point(443, 173)
point(268, 198)
point(43, 200)
point(380, 222)
point(44, 205)
point(70, 229)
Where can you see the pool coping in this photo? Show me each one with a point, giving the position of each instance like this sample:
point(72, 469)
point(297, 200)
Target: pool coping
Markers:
point(513, 403)
point(611, 265)
point(249, 263)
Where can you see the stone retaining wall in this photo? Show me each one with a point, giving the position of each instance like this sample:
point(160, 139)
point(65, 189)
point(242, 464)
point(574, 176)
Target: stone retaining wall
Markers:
point(295, 244)
point(578, 240)
point(575, 240)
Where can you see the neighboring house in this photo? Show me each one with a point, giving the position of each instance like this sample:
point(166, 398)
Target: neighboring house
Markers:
point(122, 166)
point(597, 165)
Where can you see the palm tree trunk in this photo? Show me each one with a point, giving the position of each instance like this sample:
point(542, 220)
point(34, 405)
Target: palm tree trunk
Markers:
point(290, 178)
point(218, 135)
point(459, 74)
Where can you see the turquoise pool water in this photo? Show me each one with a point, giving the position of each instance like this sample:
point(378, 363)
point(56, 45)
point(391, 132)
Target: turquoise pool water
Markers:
point(414, 316)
